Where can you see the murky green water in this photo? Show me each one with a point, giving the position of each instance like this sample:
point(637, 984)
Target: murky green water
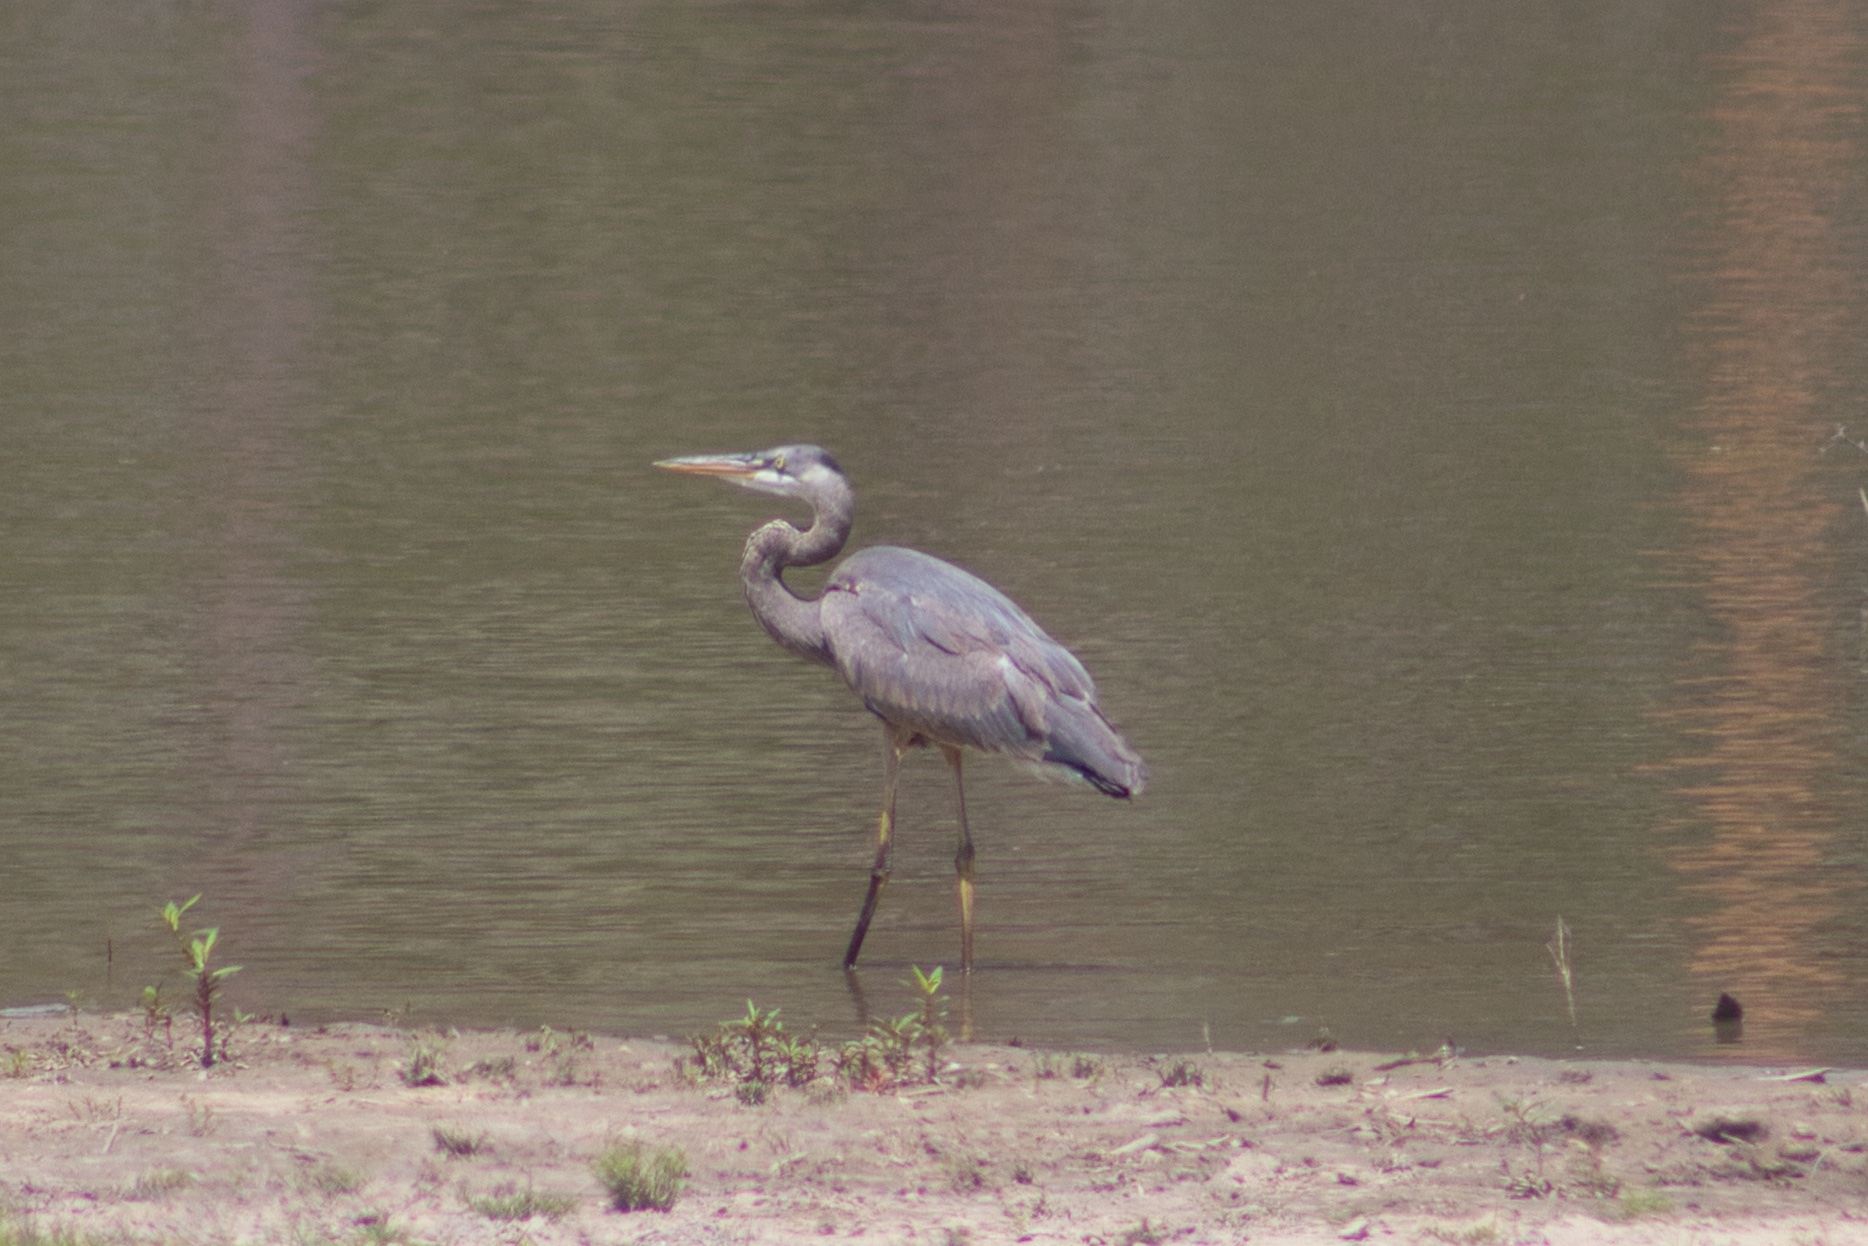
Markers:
point(1422, 423)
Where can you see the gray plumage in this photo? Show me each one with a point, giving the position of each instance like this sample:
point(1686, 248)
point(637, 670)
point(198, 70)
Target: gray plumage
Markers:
point(941, 652)
point(935, 652)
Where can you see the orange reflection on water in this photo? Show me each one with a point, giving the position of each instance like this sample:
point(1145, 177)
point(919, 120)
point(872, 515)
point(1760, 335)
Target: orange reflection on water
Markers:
point(1774, 328)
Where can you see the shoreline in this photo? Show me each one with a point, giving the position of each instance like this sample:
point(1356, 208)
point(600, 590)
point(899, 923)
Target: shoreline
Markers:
point(361, 1133)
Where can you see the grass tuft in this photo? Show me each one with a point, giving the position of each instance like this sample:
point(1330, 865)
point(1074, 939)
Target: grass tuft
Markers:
point(456, 1142)
point(424, 1066)
point(25, 1233)
point(510, 1205)
point(332, 1179)
point(1184, 1073)
point(157, 1183)
point(639, 1179)
point(1638, 1203)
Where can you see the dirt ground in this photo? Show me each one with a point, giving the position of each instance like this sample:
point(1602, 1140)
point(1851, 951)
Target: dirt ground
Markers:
point(109, 1134)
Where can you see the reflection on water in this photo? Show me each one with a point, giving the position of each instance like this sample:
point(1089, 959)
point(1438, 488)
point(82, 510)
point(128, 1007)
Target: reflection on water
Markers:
point(251, 297)
point(1777, 325)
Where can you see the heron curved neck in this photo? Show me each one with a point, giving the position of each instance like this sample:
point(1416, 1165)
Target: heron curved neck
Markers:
point(791, 619)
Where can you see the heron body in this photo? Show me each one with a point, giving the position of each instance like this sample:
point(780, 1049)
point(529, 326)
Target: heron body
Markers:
point(939, 655)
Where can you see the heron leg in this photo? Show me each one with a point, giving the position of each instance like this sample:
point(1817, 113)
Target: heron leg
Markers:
point(962, 863)
point(895, 743)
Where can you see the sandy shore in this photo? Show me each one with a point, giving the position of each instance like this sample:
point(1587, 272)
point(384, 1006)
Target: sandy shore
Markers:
point(109, 1134)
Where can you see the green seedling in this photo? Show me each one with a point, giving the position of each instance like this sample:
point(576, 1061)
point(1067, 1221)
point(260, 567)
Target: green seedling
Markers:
point(156, 1012)
point(882, 1057)
point(797, 1057)
point(932, 1033)
point(197, 950)
point(756, 1052)
point(758, 1033)
point(888, 1052)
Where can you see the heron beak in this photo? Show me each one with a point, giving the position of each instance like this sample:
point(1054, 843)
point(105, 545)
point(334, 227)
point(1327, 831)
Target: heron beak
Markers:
point(727, 466)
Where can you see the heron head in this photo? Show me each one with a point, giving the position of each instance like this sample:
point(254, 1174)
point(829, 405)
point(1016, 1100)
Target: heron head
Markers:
point(788, 471)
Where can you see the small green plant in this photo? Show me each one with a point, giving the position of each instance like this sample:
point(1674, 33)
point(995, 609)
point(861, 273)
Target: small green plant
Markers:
point(156, 1011)
point(17, 1063)
point(1184, 1073)
point(457, 1143)
point(797, 1058)
point(887, 1054)
point(758, 1033)
point(424, 1066)
point(640, 1179)
point(509, 1204)
point(197, 950)
point(1534, 1126)
point(932, 1033)
point(756, 1052)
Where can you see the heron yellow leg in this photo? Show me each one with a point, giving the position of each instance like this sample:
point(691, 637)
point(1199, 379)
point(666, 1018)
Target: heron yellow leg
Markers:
point(894, 745)
point(962, 863)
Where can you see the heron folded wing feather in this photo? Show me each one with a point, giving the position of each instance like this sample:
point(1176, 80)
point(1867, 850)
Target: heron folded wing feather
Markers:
point(954, 695)
point(937, 650)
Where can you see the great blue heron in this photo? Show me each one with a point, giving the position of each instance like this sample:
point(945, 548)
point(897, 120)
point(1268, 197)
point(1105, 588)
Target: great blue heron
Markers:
point(938, 654)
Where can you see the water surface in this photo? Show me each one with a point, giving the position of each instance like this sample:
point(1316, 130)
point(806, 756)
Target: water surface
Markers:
point(1422, 423)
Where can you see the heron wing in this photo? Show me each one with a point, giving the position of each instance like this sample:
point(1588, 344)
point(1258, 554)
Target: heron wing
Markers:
point(941, 652)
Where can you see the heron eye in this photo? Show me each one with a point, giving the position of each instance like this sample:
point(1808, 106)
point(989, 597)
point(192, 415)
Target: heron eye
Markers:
point(778, 464)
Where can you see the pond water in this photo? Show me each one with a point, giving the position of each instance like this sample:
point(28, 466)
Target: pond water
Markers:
point(1440, 430)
